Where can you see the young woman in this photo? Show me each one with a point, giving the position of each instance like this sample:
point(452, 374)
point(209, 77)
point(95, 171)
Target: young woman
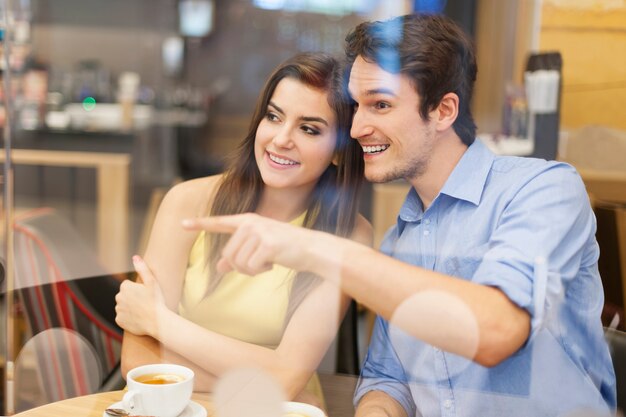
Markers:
point(297, 164)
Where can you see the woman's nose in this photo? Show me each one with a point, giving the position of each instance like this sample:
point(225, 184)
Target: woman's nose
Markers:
point(283, 137)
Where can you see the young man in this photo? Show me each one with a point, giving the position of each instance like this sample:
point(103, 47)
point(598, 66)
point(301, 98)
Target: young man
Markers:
point(487, 289)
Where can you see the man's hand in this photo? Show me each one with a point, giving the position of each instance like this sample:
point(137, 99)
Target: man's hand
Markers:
point(379, 404)
point(256, 242)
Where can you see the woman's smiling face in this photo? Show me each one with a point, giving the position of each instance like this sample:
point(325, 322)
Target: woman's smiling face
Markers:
point(295, 141)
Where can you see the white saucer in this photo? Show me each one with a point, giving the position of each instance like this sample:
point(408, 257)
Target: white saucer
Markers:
point(302, 409)
point(192, 410)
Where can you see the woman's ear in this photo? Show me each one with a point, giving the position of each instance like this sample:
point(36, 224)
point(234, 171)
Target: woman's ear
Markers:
point(335, 160)
point(447, 111)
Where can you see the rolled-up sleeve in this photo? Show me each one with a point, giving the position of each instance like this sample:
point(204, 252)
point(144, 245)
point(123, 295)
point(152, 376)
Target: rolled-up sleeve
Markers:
point(538, 244)
point(382, 370)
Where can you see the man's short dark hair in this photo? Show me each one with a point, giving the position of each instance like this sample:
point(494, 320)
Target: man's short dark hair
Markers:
point(432, 51)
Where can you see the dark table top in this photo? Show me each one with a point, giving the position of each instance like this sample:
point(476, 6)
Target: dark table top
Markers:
point(338, 391)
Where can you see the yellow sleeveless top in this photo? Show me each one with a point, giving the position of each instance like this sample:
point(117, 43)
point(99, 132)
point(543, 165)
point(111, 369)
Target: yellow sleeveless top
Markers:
point(250, 309)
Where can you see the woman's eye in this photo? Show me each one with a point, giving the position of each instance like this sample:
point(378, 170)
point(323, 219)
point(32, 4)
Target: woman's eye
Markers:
point(310, 130)
point(272, 117)
point(382, 105)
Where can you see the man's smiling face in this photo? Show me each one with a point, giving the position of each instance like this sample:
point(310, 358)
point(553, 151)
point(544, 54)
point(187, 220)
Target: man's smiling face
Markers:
point(396, 142)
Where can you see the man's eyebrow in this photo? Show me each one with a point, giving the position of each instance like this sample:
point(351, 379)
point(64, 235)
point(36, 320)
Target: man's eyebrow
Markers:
point(376, 91)
point(303, 118)
point(386, 91)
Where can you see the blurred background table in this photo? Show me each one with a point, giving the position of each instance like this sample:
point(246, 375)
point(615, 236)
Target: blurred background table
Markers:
point(112, 185)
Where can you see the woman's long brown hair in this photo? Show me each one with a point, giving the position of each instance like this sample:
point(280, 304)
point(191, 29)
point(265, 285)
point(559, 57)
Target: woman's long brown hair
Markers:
point(333, 204)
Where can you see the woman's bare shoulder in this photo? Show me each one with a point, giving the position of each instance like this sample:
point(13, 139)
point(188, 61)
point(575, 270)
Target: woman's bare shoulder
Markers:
point(191, 198)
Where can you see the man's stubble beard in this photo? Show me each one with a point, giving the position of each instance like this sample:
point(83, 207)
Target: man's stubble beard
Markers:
point(412, 169)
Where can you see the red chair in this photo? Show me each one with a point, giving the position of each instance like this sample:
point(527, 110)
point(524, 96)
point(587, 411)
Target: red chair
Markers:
point(68, 303)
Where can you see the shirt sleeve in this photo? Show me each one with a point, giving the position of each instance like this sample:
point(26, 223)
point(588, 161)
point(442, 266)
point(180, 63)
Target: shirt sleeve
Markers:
point(539, 243)
point(382, 370)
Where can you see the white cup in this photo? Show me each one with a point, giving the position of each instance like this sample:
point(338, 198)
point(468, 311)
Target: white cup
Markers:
point(160, 400)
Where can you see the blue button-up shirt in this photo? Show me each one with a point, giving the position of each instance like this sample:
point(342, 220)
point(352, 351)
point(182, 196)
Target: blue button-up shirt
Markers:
point(526, 227)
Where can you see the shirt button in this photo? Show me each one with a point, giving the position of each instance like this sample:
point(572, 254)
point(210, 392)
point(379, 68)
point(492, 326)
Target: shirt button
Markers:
point(447, 403)
point(427, 221)
point(426, 232)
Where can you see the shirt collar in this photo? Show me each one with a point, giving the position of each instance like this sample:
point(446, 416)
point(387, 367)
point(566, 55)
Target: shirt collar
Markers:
point(468, 178)
point(412, 208)
point(466, 182)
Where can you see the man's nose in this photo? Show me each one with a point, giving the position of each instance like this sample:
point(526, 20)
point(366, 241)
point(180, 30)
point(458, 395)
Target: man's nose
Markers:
point(360, 125)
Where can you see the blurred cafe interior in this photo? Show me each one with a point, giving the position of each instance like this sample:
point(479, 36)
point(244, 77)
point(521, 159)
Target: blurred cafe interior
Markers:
point(106, 104)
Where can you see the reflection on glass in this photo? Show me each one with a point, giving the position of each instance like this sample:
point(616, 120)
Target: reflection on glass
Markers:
point(196, 17)
point(331, 7)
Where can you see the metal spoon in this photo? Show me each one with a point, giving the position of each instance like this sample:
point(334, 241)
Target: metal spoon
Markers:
point(117, 412)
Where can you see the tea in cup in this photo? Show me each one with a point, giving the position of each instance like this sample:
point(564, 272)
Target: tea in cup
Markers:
point(161, 390)
point(159, 379)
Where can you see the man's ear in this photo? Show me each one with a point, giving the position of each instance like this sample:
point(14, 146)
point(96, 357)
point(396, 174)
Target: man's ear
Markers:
point(447, 111)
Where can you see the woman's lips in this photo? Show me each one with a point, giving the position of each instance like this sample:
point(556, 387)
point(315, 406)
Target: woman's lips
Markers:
point(280, 162)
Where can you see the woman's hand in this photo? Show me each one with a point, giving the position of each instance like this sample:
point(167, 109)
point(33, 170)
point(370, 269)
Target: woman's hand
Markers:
point(140, 306)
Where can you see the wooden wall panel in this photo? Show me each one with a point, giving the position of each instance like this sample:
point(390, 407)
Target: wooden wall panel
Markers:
point(591, 35)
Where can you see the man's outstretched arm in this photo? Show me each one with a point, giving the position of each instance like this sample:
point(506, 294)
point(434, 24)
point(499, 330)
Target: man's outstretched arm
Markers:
point(472, 320)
